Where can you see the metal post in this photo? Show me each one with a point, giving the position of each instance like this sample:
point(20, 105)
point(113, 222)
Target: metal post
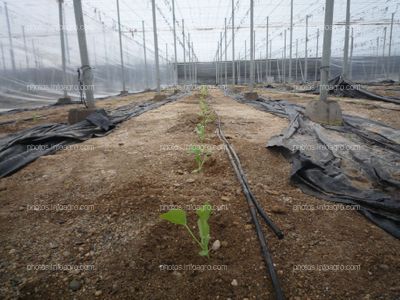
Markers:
point(233, 44)
point(184, 51)
point(175, 55)
point(194, 66)
point(291, 41)
point(297, 57)
point(266, 51)
point(106, 53)
point(270, 58)
point(216, 66)
point(87, 70)
point(10, 38)
point(121, 51)
point(156, 47)
point(226, 57)
point(316, 57)
point(326, 52)
point(189, 60)
point(66, 41)
point(220, 46)
point(251, 85)
point(384, 49)
point(390, 41)
point(2, 56)
point(306, 51)
point(64, 67)
point(284, 59)
point(238, 68)
point(351, 54)
point(245, 62)
point(25, 47)
point(146, 76)
point(345, 72)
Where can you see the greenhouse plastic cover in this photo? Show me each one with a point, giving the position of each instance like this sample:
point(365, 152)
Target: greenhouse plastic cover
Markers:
point(356, 164)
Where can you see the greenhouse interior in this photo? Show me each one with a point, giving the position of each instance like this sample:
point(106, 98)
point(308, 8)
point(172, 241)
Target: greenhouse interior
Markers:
point(175, 149)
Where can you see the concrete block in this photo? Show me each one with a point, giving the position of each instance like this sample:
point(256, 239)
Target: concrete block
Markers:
point(159, 97)
point(324, 112)
point(76, 115)
point(123, 93)
point(64, 101)
point(251, 96)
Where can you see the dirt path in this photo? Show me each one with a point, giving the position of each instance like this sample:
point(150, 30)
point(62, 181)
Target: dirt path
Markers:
point(130, 176)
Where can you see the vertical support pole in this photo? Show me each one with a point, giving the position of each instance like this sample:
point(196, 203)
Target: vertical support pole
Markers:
point(233, 44)
point(189, 60)
point(87, 70)
point(306, 52)
point(10, 38)
point(297, 58)
point(238, 68)
point(326, 52)
point(284, 59)
point(226, 57)
point(106, 53)
point(351, 54)
point(216, 66)
point(316, 56)
point(121, 51)
point(251, 85)
point(2, 57)
point(156, 57)
point(245, 62)
point(390, 41)
point(220, 60)
point(66, 41)
point(270, 58)
point(175, 55)
point(184, 51)
point(291, 41)
point(384, 50)
point(63, 59)
point(266, 51)
point(146, 76)
point(345, 72)
point(25, 47)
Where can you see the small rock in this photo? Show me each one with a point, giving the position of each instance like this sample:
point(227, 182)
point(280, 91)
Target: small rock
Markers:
point(190, 180)
point(177, 274)
point(384, 267)
point(234, 282)
point(248, 226)
point(216, 245)
point(98, 293)
point(53, 245)
point(74, 285)
point(180, 172)
point(278, 210)
point(12, 251)
point(224, 198)
point(66, 253)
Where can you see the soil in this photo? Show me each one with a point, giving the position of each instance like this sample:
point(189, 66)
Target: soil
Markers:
point(141, 169)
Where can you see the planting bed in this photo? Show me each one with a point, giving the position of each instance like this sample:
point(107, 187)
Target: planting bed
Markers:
point(142, 169)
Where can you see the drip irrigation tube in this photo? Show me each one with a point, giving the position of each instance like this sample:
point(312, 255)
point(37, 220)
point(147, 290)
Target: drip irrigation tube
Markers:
point(254, 206)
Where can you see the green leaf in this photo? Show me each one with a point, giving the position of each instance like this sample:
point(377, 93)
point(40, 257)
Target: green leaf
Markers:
point(176, 216)
point(204, 229)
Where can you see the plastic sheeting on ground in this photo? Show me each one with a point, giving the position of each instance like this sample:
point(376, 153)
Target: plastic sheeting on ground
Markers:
point(345, 88)
point(19, 149)
point(357, 163)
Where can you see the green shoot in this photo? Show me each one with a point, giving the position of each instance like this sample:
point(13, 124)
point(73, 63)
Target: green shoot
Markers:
point(178, 216)
point(200, 156)
point(201, 132)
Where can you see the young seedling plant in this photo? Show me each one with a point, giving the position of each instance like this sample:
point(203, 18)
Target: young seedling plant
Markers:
point(178, 216)
point(201, 132)
point(200, 156)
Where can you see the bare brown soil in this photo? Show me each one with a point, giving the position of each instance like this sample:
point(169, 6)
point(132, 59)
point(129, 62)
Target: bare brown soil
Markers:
point(131, 173)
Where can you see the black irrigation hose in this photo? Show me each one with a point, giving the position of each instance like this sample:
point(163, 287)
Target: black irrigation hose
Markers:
point(254, 207)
